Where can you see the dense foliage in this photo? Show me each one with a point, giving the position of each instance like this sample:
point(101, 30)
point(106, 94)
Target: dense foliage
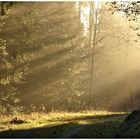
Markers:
point(4, 6)
point(130, 8)
point(10, 77)
point(46, 58)
point(129, 128)
point(24, 40)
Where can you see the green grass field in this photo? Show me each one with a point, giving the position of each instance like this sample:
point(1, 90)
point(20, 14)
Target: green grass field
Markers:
point(89, 124)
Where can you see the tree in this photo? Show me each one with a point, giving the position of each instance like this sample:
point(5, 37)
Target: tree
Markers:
point(92, 39)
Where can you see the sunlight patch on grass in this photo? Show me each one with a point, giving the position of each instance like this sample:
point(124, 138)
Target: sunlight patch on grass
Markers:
point(34, 120)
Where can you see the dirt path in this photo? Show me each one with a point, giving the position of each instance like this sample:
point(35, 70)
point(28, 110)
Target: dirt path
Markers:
point(76, 131)
point(81, 127)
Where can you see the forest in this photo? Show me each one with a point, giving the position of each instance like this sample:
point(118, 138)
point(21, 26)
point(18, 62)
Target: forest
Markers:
point(70, 69)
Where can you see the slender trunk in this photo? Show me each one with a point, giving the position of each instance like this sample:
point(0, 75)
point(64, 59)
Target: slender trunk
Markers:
point(90, 24)
point(79, 12)
point(90, 44)
point(92, 94)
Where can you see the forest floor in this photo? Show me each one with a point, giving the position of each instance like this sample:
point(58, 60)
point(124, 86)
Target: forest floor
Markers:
point(89, 124)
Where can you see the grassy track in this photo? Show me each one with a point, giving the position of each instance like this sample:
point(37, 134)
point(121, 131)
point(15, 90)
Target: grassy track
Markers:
point(63, 125)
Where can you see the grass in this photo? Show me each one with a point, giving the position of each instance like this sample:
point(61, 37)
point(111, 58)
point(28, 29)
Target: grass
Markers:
point(62, 124)
point(100, 129)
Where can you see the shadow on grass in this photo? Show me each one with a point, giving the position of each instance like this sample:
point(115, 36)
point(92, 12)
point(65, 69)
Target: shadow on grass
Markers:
point(101, 128)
